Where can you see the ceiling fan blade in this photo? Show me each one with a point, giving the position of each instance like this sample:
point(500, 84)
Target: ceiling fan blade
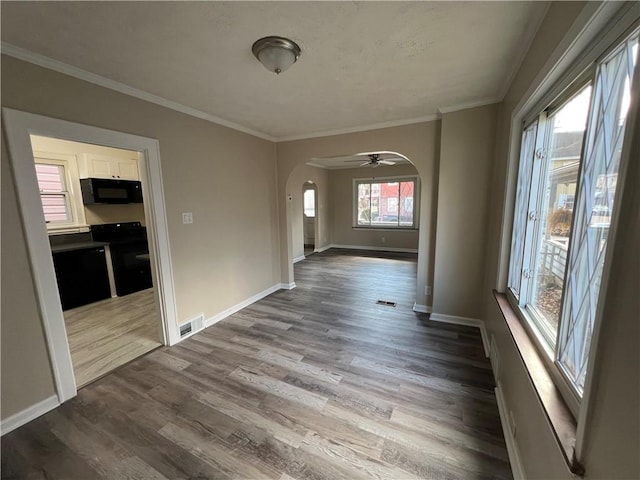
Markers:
point(386, 162)
point(366, 163)
point(349, 161)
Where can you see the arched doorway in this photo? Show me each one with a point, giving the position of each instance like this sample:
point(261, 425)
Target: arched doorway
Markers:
point(309, 216)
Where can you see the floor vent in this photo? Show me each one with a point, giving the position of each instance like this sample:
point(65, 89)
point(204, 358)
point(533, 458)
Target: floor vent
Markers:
point(191, 326)
point(386, 303)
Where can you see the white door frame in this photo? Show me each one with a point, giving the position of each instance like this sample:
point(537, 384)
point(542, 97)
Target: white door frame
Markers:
point(18, 127)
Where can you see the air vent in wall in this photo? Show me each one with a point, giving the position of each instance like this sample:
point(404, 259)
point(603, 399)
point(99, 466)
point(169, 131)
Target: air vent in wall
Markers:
point(191, 326)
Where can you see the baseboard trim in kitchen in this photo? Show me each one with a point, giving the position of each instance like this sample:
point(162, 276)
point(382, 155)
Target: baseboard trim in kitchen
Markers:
point(299, 259)
point(30, 413)
point(245, 303)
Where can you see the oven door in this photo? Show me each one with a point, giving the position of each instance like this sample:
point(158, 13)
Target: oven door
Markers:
point(131, 267)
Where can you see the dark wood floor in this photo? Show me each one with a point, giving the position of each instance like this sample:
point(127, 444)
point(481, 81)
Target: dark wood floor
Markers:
point(318, 382)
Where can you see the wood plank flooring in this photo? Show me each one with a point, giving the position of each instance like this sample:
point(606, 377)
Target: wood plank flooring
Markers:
point(314, 383)
point(107, 334)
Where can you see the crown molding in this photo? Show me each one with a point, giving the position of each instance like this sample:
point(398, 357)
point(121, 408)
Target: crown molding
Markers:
point(465, 106)
point(64, 68)
point(525, 45)
point(363, 128)
point(61, 67)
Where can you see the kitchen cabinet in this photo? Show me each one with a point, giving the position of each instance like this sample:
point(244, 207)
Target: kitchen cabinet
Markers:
point(91, 165)
point(82, 276)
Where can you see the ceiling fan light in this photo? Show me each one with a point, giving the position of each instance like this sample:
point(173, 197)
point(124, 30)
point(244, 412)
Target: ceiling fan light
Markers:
point(277, 54)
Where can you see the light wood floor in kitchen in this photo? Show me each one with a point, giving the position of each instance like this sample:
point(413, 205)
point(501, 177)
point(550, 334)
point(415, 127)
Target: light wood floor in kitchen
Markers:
point(107, 334)
point(314, 383)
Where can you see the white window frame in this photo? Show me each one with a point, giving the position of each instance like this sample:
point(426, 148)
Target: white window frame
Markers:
point(575, 79)
point(380, 180)
point(69, 164)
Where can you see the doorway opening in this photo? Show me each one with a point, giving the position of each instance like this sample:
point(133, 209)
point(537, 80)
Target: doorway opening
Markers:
point(19, 127)
point(94, 215)
point(309, 216)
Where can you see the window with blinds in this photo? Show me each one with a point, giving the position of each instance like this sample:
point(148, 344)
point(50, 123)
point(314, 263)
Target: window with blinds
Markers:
point(54, 194)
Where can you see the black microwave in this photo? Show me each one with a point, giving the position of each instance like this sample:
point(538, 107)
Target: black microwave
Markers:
point(100, 190)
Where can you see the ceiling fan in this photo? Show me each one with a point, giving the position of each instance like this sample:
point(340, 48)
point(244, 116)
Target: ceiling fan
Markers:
point(374, 161)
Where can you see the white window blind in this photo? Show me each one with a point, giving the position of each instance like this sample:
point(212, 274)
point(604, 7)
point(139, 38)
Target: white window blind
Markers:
point(53, 193)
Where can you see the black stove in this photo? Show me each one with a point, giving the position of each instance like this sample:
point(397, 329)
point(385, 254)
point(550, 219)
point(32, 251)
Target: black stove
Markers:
point(129, 254)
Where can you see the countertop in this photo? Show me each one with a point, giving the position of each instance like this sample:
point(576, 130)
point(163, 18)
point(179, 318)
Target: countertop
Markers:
point(77, 246)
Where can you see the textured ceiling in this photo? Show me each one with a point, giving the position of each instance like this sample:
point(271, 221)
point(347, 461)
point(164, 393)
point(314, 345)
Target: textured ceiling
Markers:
point(362, 63)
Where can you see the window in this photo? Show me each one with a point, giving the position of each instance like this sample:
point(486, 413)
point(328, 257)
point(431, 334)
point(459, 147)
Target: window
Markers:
point(60, 193)
point(309, 200)
point(385, 203)
point(54, 194)
point(570, 155)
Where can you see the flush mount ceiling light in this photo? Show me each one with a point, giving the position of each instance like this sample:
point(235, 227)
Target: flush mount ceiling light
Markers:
point(276, 53)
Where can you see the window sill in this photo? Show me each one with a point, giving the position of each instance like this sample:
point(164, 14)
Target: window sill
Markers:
point(379, 227)
point(557, 411)
point(67, 230)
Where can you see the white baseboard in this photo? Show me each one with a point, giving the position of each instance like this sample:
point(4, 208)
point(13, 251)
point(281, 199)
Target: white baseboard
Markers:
point(421, 308)
point(31, 413)
point(375, 248)
point(509, 438)
point(471, 322)
point(299, 259)
point(287, 286)
point(322, 249)
point(245, 303)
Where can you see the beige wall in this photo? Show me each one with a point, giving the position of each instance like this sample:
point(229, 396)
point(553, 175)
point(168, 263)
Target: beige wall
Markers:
point(320, 178)
point(612, 430)
point(25, 370)
point(225, 177)
point(466, 157)
point(342, 197)
point(419, 142)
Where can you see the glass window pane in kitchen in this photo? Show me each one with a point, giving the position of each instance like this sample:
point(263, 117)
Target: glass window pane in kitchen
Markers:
point(566, 130)
point(53, 194)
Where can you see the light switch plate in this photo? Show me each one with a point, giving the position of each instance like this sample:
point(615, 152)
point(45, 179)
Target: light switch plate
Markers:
point(187, 217)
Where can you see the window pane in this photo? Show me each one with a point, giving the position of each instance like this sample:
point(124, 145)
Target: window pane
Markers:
point(594, 206)
point(384, 203)
point(55, 202)
point(309, 203)
point(50, 177)
point(364, 204)
point(520, 213)
point(56, 208)
point(566, 130)
point(406, 203)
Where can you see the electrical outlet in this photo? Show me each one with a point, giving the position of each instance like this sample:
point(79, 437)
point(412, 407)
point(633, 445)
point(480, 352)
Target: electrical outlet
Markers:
point(427, 290)
point(383, 239)
point(187, 217)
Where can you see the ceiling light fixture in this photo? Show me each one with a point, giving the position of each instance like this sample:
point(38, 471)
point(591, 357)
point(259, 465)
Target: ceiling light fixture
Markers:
point(276, 53)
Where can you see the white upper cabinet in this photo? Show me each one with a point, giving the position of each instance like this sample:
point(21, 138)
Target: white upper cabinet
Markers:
point(91, 165)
